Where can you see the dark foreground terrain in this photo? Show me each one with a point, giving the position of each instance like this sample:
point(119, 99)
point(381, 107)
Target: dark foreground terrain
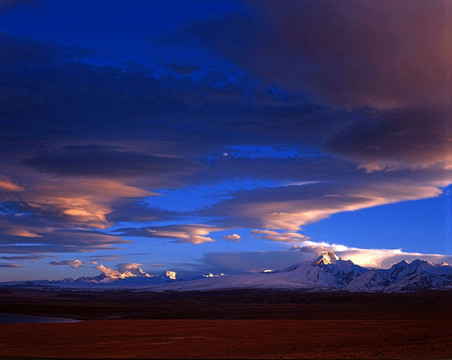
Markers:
point(229, 324)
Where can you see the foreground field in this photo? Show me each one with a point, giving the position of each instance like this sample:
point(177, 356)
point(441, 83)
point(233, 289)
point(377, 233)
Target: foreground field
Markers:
point(308, 339)
point(247, 324)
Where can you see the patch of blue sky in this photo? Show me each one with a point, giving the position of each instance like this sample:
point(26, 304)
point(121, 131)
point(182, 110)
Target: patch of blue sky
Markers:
point(447, 196)
point(174, 255)
point(183, 220)
point(415, 226)
point(246, 243)
point(9, 210)
point(197, 197)
point(269, 151)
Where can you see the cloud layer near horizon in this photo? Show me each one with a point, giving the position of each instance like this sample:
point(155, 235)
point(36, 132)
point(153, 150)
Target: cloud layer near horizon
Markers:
point(257, 261)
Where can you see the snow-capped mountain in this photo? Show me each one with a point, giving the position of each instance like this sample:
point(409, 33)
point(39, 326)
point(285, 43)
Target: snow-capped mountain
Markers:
point(126, 274)
point(404, 277)
point(420, 281)
point(329, 273)
point(124, 271)
point(343, 271)
point(370, 281)
point(326, 273)
point(326, 259)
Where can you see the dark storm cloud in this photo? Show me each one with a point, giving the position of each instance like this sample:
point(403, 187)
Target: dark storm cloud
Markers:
point(384, 61)
point(407, 137)
point(341, 50)
point(82, 102)
point(78, 99)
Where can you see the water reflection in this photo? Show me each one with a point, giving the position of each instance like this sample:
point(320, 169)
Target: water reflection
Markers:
point(29, 319)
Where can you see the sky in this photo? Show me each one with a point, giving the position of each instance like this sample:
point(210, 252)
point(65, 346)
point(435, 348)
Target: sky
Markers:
point(222, 136)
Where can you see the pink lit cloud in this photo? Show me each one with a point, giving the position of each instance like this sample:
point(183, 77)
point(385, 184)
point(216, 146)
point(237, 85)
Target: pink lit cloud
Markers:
point(232, 237)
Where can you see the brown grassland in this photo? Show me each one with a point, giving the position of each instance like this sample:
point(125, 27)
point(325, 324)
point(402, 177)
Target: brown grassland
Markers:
point(229, 324)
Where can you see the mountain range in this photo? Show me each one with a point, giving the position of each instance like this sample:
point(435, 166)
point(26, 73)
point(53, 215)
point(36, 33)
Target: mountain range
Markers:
point(326, 273)
point(329, 273)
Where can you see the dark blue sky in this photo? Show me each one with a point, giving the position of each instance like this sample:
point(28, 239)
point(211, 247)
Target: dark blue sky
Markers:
point(222, 136)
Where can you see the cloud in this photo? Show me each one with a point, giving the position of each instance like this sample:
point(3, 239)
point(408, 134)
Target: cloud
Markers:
point(61, 241)
point(7, 185)
point(290, 207)
point(372, 258)
point(277, 236)
point(183, 233)
point(24, 257)
point(108, 257)
point(127, 266)
point(72, 263)
point(382, 62)
point(62, 202)
point(233, 237)
point(404, 138)
point(120, 270)
point(246, 261)
point(96, 160)
point(109, 272)
point(256, 261)
point(78, 157)
point(12, 266)
point(22, 233)
point(323, 46)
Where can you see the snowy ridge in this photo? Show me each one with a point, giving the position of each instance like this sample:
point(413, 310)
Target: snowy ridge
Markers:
point(326, 273)
point(329, 273)
point(125, 276)
point(404, 277)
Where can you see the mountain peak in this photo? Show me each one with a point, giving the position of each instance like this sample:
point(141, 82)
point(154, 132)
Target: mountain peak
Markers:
point(123, 271)
point(328, 258)
point(400, 263)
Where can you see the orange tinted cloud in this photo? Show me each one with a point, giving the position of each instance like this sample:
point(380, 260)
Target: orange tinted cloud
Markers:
point(181, 233)
point(22, 233)
point(7, 185)
point(232, 237)
point(71, 263)
point(277, 236)
point(290, 208)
